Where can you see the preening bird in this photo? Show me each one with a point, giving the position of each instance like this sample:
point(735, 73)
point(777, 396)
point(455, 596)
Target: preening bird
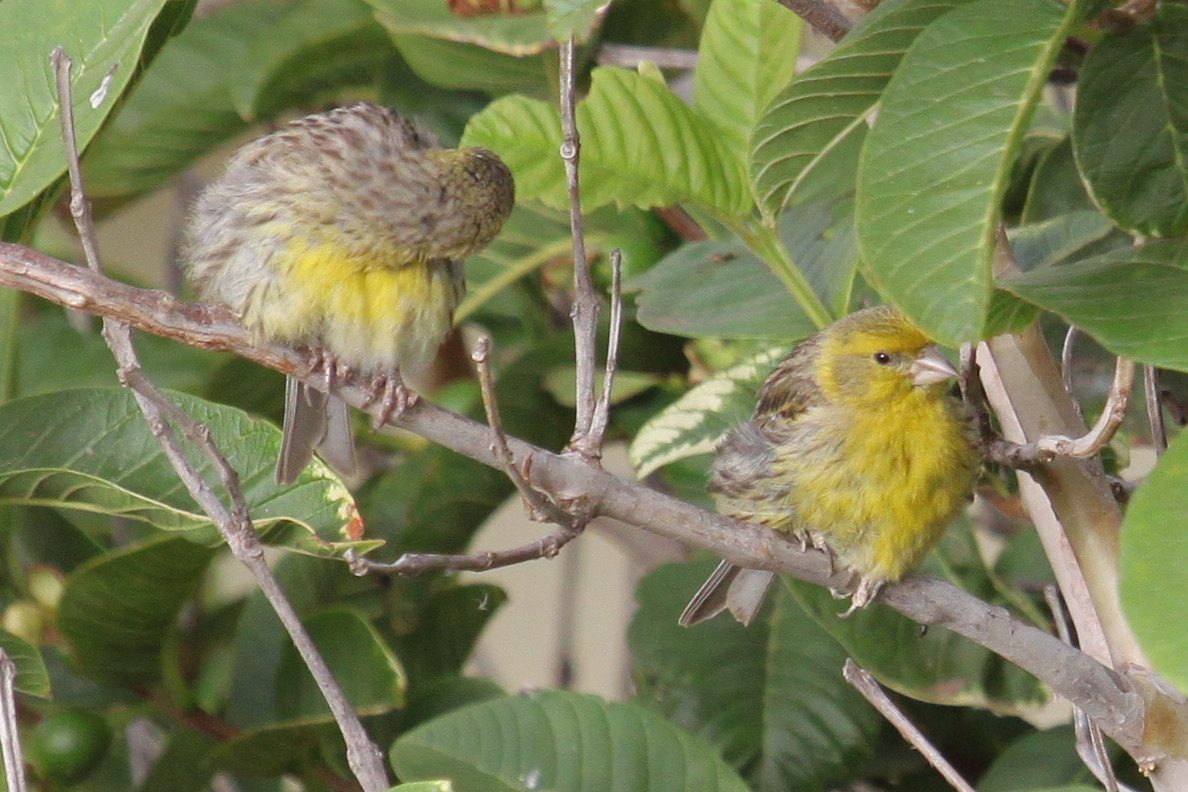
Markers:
point(855, 446)
point(344, 232)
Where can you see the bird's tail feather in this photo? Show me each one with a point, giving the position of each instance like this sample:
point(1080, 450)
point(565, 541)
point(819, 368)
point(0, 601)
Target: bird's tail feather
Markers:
point(741, 591)
point(313, 418)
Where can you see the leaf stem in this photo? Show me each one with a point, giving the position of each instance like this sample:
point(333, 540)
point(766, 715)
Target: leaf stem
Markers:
point(764, 242)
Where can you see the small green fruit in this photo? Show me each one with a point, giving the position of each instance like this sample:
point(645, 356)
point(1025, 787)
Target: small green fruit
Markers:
point(68, 745)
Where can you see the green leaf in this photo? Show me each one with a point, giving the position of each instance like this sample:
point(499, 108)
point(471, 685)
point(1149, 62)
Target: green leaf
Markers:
point(531, 238)
point(717, 289)
point(1039, 759)
point(82, 359)
point(748, 53)
point(309, 40)
point(424, 786)
point(120, 608)
point(511, 34)
point(936, 163)
point(371, 677)
point(938, 666)
point(770, 696)
point(1057, 239)
point(91, 449)
point(823, 107)
point(1056, 187)
point(274, 749)
point(1146, 320)
point(571, 18)
point(1130, 127)
point(561, 741)
point(561, 383)
point(694, 423)
point(1154, 563)
point(260, 641)
point(184, 766)
point(641, 146)
point(723, 289)
point(450, 64)
point(31, 676)
point(447, 628)
point(103, 38)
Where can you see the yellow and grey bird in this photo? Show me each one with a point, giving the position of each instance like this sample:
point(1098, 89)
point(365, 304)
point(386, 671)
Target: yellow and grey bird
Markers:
point(855, 446)
point(344, 232)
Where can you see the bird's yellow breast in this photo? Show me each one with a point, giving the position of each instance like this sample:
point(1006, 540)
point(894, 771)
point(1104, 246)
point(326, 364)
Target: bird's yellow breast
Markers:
point(374, 311)
point(881, 485)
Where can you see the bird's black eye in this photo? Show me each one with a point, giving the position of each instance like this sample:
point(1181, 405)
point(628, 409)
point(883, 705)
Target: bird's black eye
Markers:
point(882, 358)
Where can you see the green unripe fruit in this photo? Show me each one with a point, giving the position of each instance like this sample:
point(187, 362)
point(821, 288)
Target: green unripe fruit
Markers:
point(68, 745)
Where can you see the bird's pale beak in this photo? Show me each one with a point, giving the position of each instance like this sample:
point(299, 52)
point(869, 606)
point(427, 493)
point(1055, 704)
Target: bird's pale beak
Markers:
point(931, 367)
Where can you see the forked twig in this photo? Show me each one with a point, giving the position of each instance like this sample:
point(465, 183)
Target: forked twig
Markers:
point(585, 302)
point(1044, 449)
point(865, 684)
point(602, 409)
point(538, 504)
point(235, 524)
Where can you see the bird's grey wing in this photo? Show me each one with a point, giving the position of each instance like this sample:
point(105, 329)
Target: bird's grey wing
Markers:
point(791, 388)
point(313, 419)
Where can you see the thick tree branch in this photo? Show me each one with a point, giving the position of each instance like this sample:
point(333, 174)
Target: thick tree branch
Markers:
point(1106, 696)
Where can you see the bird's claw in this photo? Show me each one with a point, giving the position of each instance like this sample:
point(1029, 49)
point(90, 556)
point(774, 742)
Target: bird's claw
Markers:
point(868, 589)
point(394, 396)
point(818, 541)
point(331, 369)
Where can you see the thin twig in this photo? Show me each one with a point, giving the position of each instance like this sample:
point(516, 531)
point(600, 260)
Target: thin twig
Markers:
point(1107, 696)
point(585, 301)
point(601, 417)
point(10, 738)
point(1066, 357)
point(825, 17)
point(1099, 436)
point(546, 546)
point(235, 524)
point(1154, 409)
point(631, 56)
point(1090, 744)
point(865, 684)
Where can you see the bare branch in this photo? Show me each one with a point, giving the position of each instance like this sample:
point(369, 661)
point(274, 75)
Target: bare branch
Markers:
point(833, 18)
point(546, 546)
point(585, 301)
point(234, 525)
point(631, 56)
point(538, 506)
point(10, 738)
point(1105, 695)
point(1155, 409)
point(602, 409)
point(865, 684)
